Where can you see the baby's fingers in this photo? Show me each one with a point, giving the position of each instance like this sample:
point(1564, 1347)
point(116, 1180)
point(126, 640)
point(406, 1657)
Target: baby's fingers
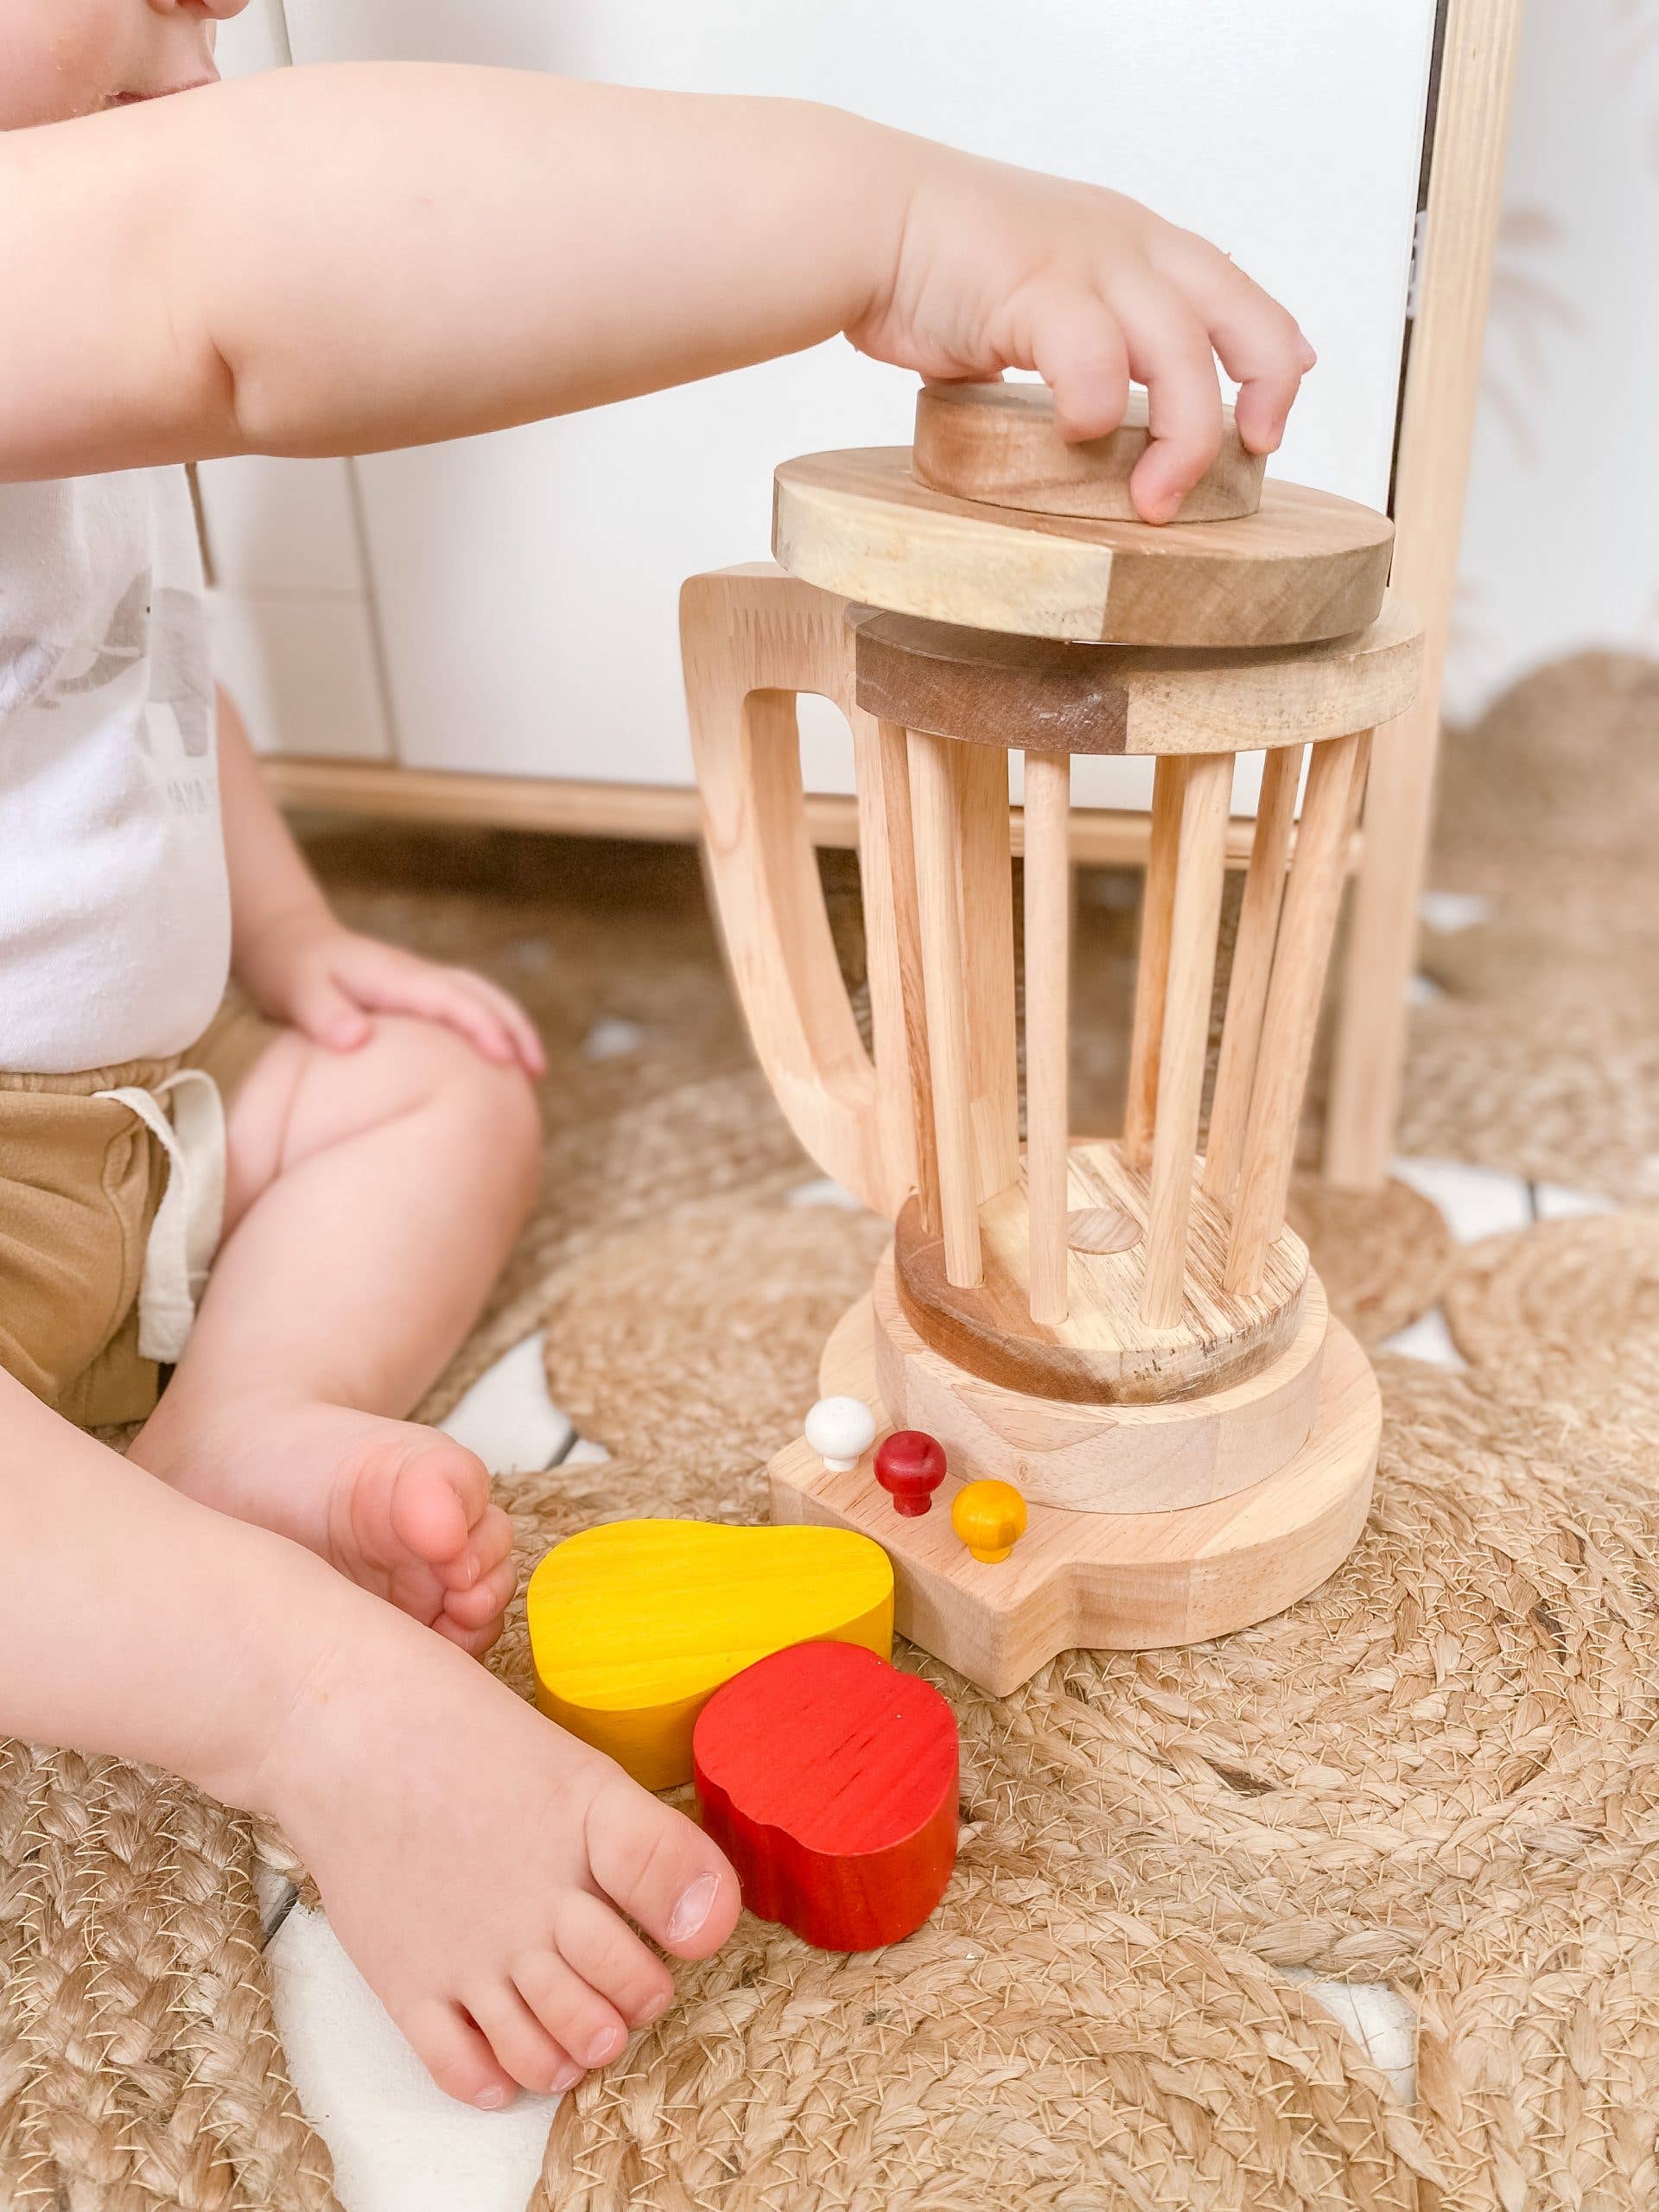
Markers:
point(440, 994)
point(520, 1030)
point(1261, 344)
point(1078, 350)
point(1170, 353)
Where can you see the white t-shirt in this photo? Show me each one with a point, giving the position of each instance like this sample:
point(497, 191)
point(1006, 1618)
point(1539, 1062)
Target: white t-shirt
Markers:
point(114, 901)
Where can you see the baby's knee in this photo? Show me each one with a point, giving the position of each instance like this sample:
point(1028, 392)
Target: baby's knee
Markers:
point(489, 1108)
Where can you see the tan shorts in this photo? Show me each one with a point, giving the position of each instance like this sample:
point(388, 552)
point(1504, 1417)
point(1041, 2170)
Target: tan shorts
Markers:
point(80, 1180)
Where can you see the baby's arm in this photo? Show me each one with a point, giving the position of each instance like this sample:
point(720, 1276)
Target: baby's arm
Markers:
point(338, 259)
point(301, 964)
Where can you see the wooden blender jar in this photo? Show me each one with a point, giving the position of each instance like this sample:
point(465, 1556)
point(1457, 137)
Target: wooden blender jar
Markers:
point(1126, 1330)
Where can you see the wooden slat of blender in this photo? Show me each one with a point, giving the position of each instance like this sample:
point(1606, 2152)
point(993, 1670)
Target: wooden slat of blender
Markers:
point(986, 877)
point(1247, 987)
point(887, 867)
point(1313, 897)
point(1048, 916)
point(937, 822)
point(1152, 962)
point(1208, 781)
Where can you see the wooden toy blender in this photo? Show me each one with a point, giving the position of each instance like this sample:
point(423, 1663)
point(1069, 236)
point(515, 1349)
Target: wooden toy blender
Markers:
point(1125, 1330)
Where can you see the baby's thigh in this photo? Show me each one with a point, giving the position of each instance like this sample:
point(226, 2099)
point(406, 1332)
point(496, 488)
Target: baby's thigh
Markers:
point(304, 1098)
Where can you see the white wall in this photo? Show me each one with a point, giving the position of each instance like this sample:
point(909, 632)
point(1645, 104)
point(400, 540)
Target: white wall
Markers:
point(526, 583)
point(1561, 544)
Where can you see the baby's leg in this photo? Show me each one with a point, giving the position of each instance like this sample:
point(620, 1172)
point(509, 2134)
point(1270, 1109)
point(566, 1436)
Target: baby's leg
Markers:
point(372, 1197)
point(478, 1864)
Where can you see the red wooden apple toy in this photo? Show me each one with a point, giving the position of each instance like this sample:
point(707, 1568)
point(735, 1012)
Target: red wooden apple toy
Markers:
point(911, 1466)
point(828, 1779)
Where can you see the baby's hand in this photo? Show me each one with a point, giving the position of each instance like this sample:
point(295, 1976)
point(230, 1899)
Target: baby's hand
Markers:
point(327, 981)
point(1000, 268)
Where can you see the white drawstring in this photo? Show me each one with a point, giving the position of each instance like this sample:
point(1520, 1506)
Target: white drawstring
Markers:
point(185, 1233)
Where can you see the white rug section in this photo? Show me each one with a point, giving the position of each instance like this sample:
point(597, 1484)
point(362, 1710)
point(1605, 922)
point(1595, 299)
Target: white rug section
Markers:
point(612, 1039)
point(1380, 2021)
point(1428, 1337)
point(1476, 1201)
point(1554, 1201)
point(584, 1452)
point(399, 2145)
point(824, 1191)
point(1452, 910)
point(507, 1417)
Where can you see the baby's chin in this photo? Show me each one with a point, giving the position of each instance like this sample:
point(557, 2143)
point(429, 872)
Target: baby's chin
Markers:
point(160, 92)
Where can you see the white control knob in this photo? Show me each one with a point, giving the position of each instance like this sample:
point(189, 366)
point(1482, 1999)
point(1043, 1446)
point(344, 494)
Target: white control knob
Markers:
point(840, 1431)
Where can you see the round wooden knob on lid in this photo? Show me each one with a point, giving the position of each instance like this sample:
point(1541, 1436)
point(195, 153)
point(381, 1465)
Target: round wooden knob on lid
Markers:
point(999, 444)
point(990, 1518)
point(909, 1466)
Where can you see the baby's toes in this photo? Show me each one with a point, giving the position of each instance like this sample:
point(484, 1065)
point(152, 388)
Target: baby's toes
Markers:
point(521, 2042)
point(660, 1869)
point(443, 1492)
point(489, 1545)
point(605, 1954)
point(482, 1603)
point(573, 2012)
point(459, 2059)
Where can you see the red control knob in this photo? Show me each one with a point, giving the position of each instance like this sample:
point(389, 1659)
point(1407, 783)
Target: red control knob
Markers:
point(910, 1466)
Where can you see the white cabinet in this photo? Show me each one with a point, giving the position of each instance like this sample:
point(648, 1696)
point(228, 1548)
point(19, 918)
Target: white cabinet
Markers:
point(525, 583)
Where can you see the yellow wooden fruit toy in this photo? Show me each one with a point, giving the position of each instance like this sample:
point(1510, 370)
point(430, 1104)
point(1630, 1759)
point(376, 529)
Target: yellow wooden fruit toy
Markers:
point(634, 1625)
point(989, 1517)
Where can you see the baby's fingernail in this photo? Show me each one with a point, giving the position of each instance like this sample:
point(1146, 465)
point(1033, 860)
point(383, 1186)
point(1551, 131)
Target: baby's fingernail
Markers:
point(495, 2099)
point(693, 1907)
point(605, 2046)
point(566, 2078)
point(655, 2010)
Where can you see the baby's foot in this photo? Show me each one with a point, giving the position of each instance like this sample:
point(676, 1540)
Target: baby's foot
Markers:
point(403, 1511)
point(481, 1866)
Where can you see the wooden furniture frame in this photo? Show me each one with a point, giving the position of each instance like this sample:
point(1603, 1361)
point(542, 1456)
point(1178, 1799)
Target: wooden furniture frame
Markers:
point(1475, 76)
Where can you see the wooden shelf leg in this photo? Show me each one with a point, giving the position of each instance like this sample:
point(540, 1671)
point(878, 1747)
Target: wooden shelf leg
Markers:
point(1048, 918)
point(1336, 780)
point(1152, 962)
point(1207, 785)
point(1247, 987)
point(937, 822)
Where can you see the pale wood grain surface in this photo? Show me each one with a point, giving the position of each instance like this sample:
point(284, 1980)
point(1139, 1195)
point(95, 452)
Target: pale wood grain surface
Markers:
point(1308, 565)
point(1101, 1459)
point(1119, 1581)
point(1048, 961)
point(997, 443)
point(1247, 984)
point(1443, 376)
point(1207, 782)
point(1047, 696)
point(1104, 1351)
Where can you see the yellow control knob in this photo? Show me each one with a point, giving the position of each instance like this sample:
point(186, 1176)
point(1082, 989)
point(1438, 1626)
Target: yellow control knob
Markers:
point(989, 1517)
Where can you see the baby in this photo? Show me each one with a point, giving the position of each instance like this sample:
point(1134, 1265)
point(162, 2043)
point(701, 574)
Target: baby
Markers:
point(282, 1592)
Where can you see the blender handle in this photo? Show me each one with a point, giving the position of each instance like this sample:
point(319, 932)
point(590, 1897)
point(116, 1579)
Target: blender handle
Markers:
point(753, 639)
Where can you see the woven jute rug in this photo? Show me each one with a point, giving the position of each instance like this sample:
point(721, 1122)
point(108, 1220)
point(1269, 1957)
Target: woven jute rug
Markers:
point(1425, 1775)
point(1542, 1055)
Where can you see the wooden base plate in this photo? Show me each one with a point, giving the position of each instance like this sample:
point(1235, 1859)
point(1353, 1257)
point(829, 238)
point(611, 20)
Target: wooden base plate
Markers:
point(1101, 1458)
point(1111, 1582)
point(1103, 1353)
